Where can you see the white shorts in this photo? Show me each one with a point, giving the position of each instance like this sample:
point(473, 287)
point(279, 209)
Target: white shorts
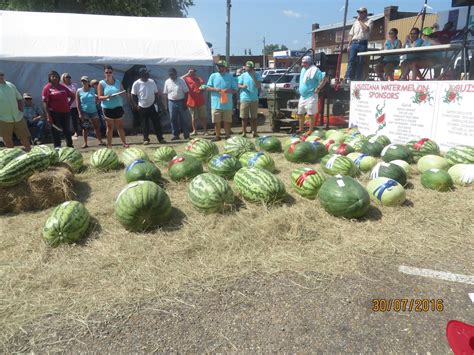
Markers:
point(309, 105)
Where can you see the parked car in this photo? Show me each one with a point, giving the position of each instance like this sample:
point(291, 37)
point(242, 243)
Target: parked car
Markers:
point(272, 71)
point(288, 81)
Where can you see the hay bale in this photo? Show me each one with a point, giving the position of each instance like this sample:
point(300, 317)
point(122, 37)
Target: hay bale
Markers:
point(40, 191)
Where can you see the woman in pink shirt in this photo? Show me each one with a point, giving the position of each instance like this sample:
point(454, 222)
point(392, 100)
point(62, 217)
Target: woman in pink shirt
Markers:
point(56, 103)
point(67, 81)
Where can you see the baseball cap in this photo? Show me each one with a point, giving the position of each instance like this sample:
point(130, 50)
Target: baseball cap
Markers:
point(94, 81)
point(427, 31)
point(27, 95)
point(222, 63)
point(362, 9)
point(86, 78)
point(250, 64)
point(306, 59)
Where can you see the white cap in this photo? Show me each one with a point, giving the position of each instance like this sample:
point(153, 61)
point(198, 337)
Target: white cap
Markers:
point(306, 59)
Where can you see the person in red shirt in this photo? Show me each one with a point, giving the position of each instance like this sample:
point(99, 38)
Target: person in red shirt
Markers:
point(56, 100)
point(196, 100)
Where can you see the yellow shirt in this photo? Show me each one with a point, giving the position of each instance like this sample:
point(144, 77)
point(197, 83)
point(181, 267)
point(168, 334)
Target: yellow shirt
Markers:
point(9, 97)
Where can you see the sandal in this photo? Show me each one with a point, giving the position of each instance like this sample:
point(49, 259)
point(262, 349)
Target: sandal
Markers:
point(126, 145)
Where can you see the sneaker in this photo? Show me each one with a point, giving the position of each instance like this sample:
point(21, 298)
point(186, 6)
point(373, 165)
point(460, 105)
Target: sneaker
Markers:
point(193, 133)
point(216, 139)
point(146, 142)
point(175, 139)
point(255, 135)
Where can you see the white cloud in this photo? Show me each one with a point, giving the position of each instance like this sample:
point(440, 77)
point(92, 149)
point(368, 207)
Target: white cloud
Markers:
point(291, 13)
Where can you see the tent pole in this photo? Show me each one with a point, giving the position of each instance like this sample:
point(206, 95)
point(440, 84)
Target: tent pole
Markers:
point(227, 36)
point(341, 51)
point(423, 15)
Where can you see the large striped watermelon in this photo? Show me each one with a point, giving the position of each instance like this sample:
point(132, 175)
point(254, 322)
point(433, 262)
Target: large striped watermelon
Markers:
point(22, 167)
point(422, 147)
point(268, 144)
point(336, 136)
point(462, 174)
point(343, 196)
point(461, 154)
point(131, 154)
point(437, 179)
point(50, 151)
point(210, 193)
point(224, 165)
point(431, 162)
point(384, 140)
point(68, 223)
point(164, 155)
point(362, 161)
point(307, 182)
point(8, 154)
point(238, 145)
point(396, 152)
point(356, 142)
point(142, 205)
point(104, 159)
point(334, 164)
point(319, 147)
point(301, 152)
point(341, 149)
point(371, 148)
point(142, 170)
point(287, 142)
point(259, 185)
point(318, 133)
point(260, 160)
point(71, 157)
point(387, 192)
point(184, 167)
point(202, 149)
point(404, 165)
point(391, 171)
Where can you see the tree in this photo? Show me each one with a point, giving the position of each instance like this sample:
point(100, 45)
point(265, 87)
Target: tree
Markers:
point(270, 48)
point(165, 8)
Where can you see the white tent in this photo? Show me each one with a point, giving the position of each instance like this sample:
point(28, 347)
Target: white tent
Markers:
point(34, 43)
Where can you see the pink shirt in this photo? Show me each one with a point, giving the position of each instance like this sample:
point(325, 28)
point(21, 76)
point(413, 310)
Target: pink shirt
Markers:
point(72, 88)
point(57, 97)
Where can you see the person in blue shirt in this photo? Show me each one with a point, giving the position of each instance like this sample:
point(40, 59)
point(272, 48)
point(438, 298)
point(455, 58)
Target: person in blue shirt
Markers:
point(249, 83)
point(222, 86)
point(385, 70)
point(34, 118)
point(413, 40)
point(312, 81)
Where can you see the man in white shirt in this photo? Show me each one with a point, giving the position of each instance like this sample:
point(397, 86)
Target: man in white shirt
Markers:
point(144, 96)
point(358, 39)
point(176, 93)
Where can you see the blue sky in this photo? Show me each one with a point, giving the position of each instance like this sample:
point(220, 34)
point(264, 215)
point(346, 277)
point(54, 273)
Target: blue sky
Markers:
point(282, 21)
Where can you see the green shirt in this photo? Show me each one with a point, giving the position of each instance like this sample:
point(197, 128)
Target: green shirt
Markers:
point(9, 97)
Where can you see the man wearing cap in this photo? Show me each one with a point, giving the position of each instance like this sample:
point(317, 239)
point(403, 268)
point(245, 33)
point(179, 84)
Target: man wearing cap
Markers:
point(358, 40)
point(196, 100)
point(34, 118)
point(11, 115)
point(144, 97)
point(312, 81)
point(222, 86)
point(176, 94)
point(249, 83)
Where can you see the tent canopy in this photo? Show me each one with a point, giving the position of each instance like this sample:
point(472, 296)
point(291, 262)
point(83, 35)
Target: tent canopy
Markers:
point(76, 38)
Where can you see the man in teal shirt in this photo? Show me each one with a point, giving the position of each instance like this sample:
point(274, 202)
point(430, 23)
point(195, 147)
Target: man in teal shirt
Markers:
point(249, 83)
point(221, 85)
point(311, 82)
point(11, 115)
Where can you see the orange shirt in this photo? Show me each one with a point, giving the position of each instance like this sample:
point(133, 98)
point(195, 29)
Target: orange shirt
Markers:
point(195, 96)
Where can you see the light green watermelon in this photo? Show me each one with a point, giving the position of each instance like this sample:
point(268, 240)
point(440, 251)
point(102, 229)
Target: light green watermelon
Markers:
point(290, 141)
point(334, 164)
point(386, 192)
point(341, 149)
point(356, 142)
point(184, 167)
point(437, 179)
point(362, 161)
point(462, 174)
point(258, 160)
point(238, 145)
point(432, 162)
point(396, 152)
point(307, 182)
point(72, 158)
point(163, 155)
point(336, 136)
point(461, 154)
point(259, 185)
point(318, 133)
point(142, 170)
point(391, 171)
point(104, 159)
point(202, 149)
point(224, 165)
point(131, 154)
point(301, 152)
point(422, 147)
point(210, 193)
point(268, 144)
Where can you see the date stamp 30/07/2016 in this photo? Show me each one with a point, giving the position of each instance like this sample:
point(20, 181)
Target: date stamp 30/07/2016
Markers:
point(417, 305)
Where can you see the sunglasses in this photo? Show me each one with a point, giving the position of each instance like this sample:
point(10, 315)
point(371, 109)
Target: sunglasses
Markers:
point(108, 72)
point(84, 81)
point(391, 33)
point(28, 98)
point(413, 33)
point(68, 77)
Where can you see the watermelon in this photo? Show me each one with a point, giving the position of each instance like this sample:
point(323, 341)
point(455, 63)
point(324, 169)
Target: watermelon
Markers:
point(307, 182)
point(422, 147)
point(318, 133)
point(384, 140)
point(461, 154)
point(131, 154)
point(72, 158)
point(396, 152)
point(462, 174)
point(301, 152)
point(50, 151)
point(238, 145)
point(320, 149)
point(437, 179)
point(291, 140)
point(343, 196)
point(259, 160)
point(362, 161)
point(386, 191)
point(68, 223)
point(371, 148)
point(391, 171)
point(334, 164)
point(328, 143)
point(312, 139)
point(403, 164)
point(142, 205)
point(341, 149)
point(8, 154)
point(142, 170)
point(202, 149)
point(224, 165)
point(22, 167)
point(328, 133)
point(210, 193)
point(431, 162)
point(268, 144)
point(184, 167)
point(104, 159)
point(356, 142)
point(164, 155)
point(259, 185)
point(336, 136)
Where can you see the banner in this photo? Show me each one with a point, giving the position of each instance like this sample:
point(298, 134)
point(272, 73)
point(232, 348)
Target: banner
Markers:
point(409, 110)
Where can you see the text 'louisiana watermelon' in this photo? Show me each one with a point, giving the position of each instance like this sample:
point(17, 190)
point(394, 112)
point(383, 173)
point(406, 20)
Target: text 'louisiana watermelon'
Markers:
point(238, 145)
point(224, 165)
point(386, 192)
point(68, 223)
point(71, 157)
point(307, 182)
point(104, 159)
point(268, 144)
point(301, 152)
point(334, 164)
point(202, 149)
point(131, 154)
point(343, 196)
point(210, 193)
point(142, 170)
point(163, 155)
point(437, 179)
point(142, 205)
point(259, 185)
point(184, 167)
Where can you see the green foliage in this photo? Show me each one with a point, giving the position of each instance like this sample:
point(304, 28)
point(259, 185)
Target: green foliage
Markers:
point(270, 48)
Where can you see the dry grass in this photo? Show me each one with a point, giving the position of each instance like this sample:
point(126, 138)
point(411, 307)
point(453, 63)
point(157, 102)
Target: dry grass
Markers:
point(114, 266)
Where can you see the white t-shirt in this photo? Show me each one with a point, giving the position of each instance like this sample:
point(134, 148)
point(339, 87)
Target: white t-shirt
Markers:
point(358, 33)
point(176, 90)
point(145, 90)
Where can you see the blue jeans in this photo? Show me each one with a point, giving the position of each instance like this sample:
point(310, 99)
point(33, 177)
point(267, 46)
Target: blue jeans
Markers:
point(355, 67)
point(179, 118)
point(40, 128)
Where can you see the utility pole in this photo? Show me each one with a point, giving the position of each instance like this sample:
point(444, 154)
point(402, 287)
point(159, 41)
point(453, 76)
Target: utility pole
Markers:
point(423, 15)
point(263, 53)
point(227, 38)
